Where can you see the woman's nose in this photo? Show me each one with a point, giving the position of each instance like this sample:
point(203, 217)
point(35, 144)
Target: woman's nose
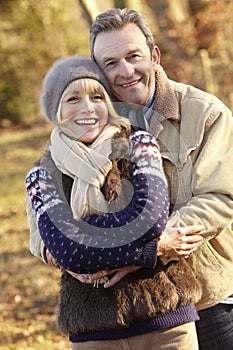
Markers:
point(87, 106)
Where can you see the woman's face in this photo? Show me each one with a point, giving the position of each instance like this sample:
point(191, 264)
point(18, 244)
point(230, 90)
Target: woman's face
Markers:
point(84, 113)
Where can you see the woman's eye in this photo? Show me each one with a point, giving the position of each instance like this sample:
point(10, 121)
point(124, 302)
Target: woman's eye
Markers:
point(97, 97)
point(72, 99)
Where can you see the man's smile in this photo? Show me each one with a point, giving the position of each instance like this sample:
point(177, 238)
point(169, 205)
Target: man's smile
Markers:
point(132, 83)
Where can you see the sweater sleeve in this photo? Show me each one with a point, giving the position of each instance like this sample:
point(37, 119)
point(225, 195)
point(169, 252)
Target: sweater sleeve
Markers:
point(111, 240)
point(149, 203)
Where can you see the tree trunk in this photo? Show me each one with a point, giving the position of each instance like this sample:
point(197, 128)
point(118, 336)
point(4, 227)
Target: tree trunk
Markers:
point(177, 10)
point(198, 5)
point(91, 9)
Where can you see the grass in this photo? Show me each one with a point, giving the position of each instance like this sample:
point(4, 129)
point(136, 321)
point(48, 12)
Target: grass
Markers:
point(29, 288)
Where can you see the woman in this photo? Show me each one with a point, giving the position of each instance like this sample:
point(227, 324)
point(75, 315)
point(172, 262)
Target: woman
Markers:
point(111, 223)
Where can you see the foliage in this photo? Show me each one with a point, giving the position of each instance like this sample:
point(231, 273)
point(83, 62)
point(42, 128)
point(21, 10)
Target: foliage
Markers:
point(32, 35)
point(35, 33)
point(29, 289)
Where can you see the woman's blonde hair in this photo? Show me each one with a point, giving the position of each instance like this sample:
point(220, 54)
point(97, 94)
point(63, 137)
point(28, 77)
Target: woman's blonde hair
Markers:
point(91, 85)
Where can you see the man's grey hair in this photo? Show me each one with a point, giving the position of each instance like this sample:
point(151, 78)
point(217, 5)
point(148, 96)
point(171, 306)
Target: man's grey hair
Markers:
point(117, 18)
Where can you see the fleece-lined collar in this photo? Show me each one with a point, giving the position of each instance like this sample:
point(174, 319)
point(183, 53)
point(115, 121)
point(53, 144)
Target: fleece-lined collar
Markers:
point(166, 103)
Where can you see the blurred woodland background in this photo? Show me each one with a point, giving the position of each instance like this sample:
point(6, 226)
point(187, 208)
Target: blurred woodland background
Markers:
point(194, 36)
point(195, 39)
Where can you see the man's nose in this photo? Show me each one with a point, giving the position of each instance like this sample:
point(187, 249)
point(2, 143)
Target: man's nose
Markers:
point(126, 69)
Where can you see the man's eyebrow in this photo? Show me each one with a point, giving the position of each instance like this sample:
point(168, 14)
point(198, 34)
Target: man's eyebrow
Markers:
point(130, 52)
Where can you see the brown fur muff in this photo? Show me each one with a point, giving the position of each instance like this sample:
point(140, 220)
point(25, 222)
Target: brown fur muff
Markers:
point(141, 294)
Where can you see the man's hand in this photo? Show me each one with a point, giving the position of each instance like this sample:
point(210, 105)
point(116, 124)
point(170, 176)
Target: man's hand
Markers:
point(180, 241)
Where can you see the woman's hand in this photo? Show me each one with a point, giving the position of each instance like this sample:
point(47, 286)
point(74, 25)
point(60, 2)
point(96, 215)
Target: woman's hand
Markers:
point(101, 277)
point(51, 261)
point(96, 278)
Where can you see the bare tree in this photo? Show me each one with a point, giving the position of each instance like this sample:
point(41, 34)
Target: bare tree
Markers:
point(91, 9)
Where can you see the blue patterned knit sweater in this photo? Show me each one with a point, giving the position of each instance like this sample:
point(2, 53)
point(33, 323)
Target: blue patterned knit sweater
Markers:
point(111, 240)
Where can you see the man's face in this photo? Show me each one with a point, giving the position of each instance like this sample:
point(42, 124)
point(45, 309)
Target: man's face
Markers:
point(127, 63)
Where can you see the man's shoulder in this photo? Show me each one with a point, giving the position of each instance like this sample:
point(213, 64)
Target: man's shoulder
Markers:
point(190, 91)
point(189, 96)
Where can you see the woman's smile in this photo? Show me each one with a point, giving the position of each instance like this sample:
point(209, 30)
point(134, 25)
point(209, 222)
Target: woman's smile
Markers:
point(86, 121)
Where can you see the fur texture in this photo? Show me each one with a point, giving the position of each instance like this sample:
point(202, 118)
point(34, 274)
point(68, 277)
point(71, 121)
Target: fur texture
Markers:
point(141, 294)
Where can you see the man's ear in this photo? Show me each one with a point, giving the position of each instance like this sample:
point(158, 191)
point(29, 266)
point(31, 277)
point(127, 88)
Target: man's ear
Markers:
point(155, 57)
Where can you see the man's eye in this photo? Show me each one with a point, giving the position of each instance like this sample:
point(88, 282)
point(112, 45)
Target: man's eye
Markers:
point(110, 65)
point(135, 56)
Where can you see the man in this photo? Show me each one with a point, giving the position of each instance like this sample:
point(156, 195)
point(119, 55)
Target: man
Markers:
point(196, 145)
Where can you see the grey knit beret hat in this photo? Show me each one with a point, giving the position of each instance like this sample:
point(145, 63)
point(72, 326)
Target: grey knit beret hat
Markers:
point(60, 75)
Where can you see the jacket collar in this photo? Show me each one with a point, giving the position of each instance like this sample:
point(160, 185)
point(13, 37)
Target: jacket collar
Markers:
point(166, 104)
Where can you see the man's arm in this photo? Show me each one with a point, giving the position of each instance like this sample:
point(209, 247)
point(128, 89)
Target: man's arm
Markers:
point(212, 187)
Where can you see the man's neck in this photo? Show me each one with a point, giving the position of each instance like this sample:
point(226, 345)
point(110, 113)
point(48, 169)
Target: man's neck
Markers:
point(151, 101)
point(148, 109)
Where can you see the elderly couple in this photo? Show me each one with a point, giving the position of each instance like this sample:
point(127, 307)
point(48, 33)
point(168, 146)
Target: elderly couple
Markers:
point(132, 198)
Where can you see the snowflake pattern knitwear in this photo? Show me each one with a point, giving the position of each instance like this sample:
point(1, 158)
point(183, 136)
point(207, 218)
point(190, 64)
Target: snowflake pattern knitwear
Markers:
point(114, 239)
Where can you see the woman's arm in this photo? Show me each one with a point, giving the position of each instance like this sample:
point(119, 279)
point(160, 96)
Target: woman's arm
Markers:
point(65, 237)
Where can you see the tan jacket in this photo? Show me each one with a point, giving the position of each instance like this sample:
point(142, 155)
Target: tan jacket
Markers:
point(196, 143)
point(195, 133)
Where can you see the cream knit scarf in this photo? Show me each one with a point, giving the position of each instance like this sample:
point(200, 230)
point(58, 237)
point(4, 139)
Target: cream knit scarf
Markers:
point(88, 166)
